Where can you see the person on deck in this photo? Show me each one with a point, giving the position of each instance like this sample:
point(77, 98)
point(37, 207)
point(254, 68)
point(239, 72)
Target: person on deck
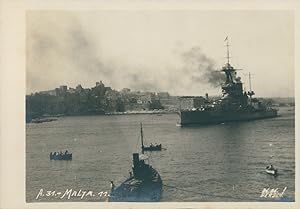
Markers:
point(112, 185)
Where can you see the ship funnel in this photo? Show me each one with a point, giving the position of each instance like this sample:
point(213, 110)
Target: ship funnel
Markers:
point(206, 96)
point(135, 158)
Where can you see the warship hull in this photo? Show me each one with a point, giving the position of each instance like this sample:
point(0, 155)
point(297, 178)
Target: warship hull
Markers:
point(211, 117)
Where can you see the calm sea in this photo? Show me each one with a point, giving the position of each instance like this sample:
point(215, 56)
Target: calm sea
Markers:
point(224, 162)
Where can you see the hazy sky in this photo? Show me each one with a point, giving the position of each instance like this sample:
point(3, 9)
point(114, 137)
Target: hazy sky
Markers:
point(174, 51)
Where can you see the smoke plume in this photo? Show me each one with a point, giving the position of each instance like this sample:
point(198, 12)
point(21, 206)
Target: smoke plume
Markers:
point(59, 52)
point(201, 68)
point(62, 51)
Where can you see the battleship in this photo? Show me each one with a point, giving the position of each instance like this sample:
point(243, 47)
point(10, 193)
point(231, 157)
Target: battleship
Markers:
point(235, 103)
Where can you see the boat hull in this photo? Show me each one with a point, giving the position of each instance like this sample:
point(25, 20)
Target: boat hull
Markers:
point(138, 190)
point(61, 157)
point(152, 148)
point(271, 172)
point(210, 117)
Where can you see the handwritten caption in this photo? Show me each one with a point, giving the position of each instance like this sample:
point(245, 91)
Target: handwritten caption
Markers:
point(70, 193)
point(272, 193)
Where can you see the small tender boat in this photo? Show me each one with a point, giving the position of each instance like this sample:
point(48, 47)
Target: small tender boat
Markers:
point(271, 170)
point(60, 156)
point(151, 147)
point(143, 185)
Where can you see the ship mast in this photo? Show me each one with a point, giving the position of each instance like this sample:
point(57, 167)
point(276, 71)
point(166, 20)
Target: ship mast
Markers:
point(227, 45)
point(228, 69)
point(142, 138)
point(250, 82)
point(250, 93)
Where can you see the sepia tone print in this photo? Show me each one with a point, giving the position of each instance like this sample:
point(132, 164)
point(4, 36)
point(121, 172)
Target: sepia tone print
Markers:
point(160, 106)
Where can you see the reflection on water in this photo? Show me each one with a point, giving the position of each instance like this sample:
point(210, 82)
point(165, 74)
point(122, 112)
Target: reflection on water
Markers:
point(222, 162)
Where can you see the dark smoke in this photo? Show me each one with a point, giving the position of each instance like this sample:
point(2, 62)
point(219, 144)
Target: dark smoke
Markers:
point(85, 54)
point(60, 51)
point(139, 81)
point(201, 68)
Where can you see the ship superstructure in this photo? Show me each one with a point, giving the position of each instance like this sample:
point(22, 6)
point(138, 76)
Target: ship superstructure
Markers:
point(235, 104)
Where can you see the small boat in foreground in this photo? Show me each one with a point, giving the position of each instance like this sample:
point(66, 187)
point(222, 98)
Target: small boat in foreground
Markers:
point(60, 156)
point(144, 183)
point(271, 170)
point(151, 147)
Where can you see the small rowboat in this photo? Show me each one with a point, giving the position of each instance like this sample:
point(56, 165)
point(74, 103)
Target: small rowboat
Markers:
point(271, 170)
point(152, 148)
point(66, 156)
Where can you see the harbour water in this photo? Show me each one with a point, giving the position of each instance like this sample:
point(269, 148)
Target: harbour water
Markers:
point(224, 162)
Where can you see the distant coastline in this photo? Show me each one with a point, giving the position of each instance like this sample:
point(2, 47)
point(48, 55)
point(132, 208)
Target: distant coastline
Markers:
point(50, 118)
point(43, 106)
point(141, 112)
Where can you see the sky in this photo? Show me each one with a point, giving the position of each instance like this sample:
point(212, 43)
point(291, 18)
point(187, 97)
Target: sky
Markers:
point(161, 50)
